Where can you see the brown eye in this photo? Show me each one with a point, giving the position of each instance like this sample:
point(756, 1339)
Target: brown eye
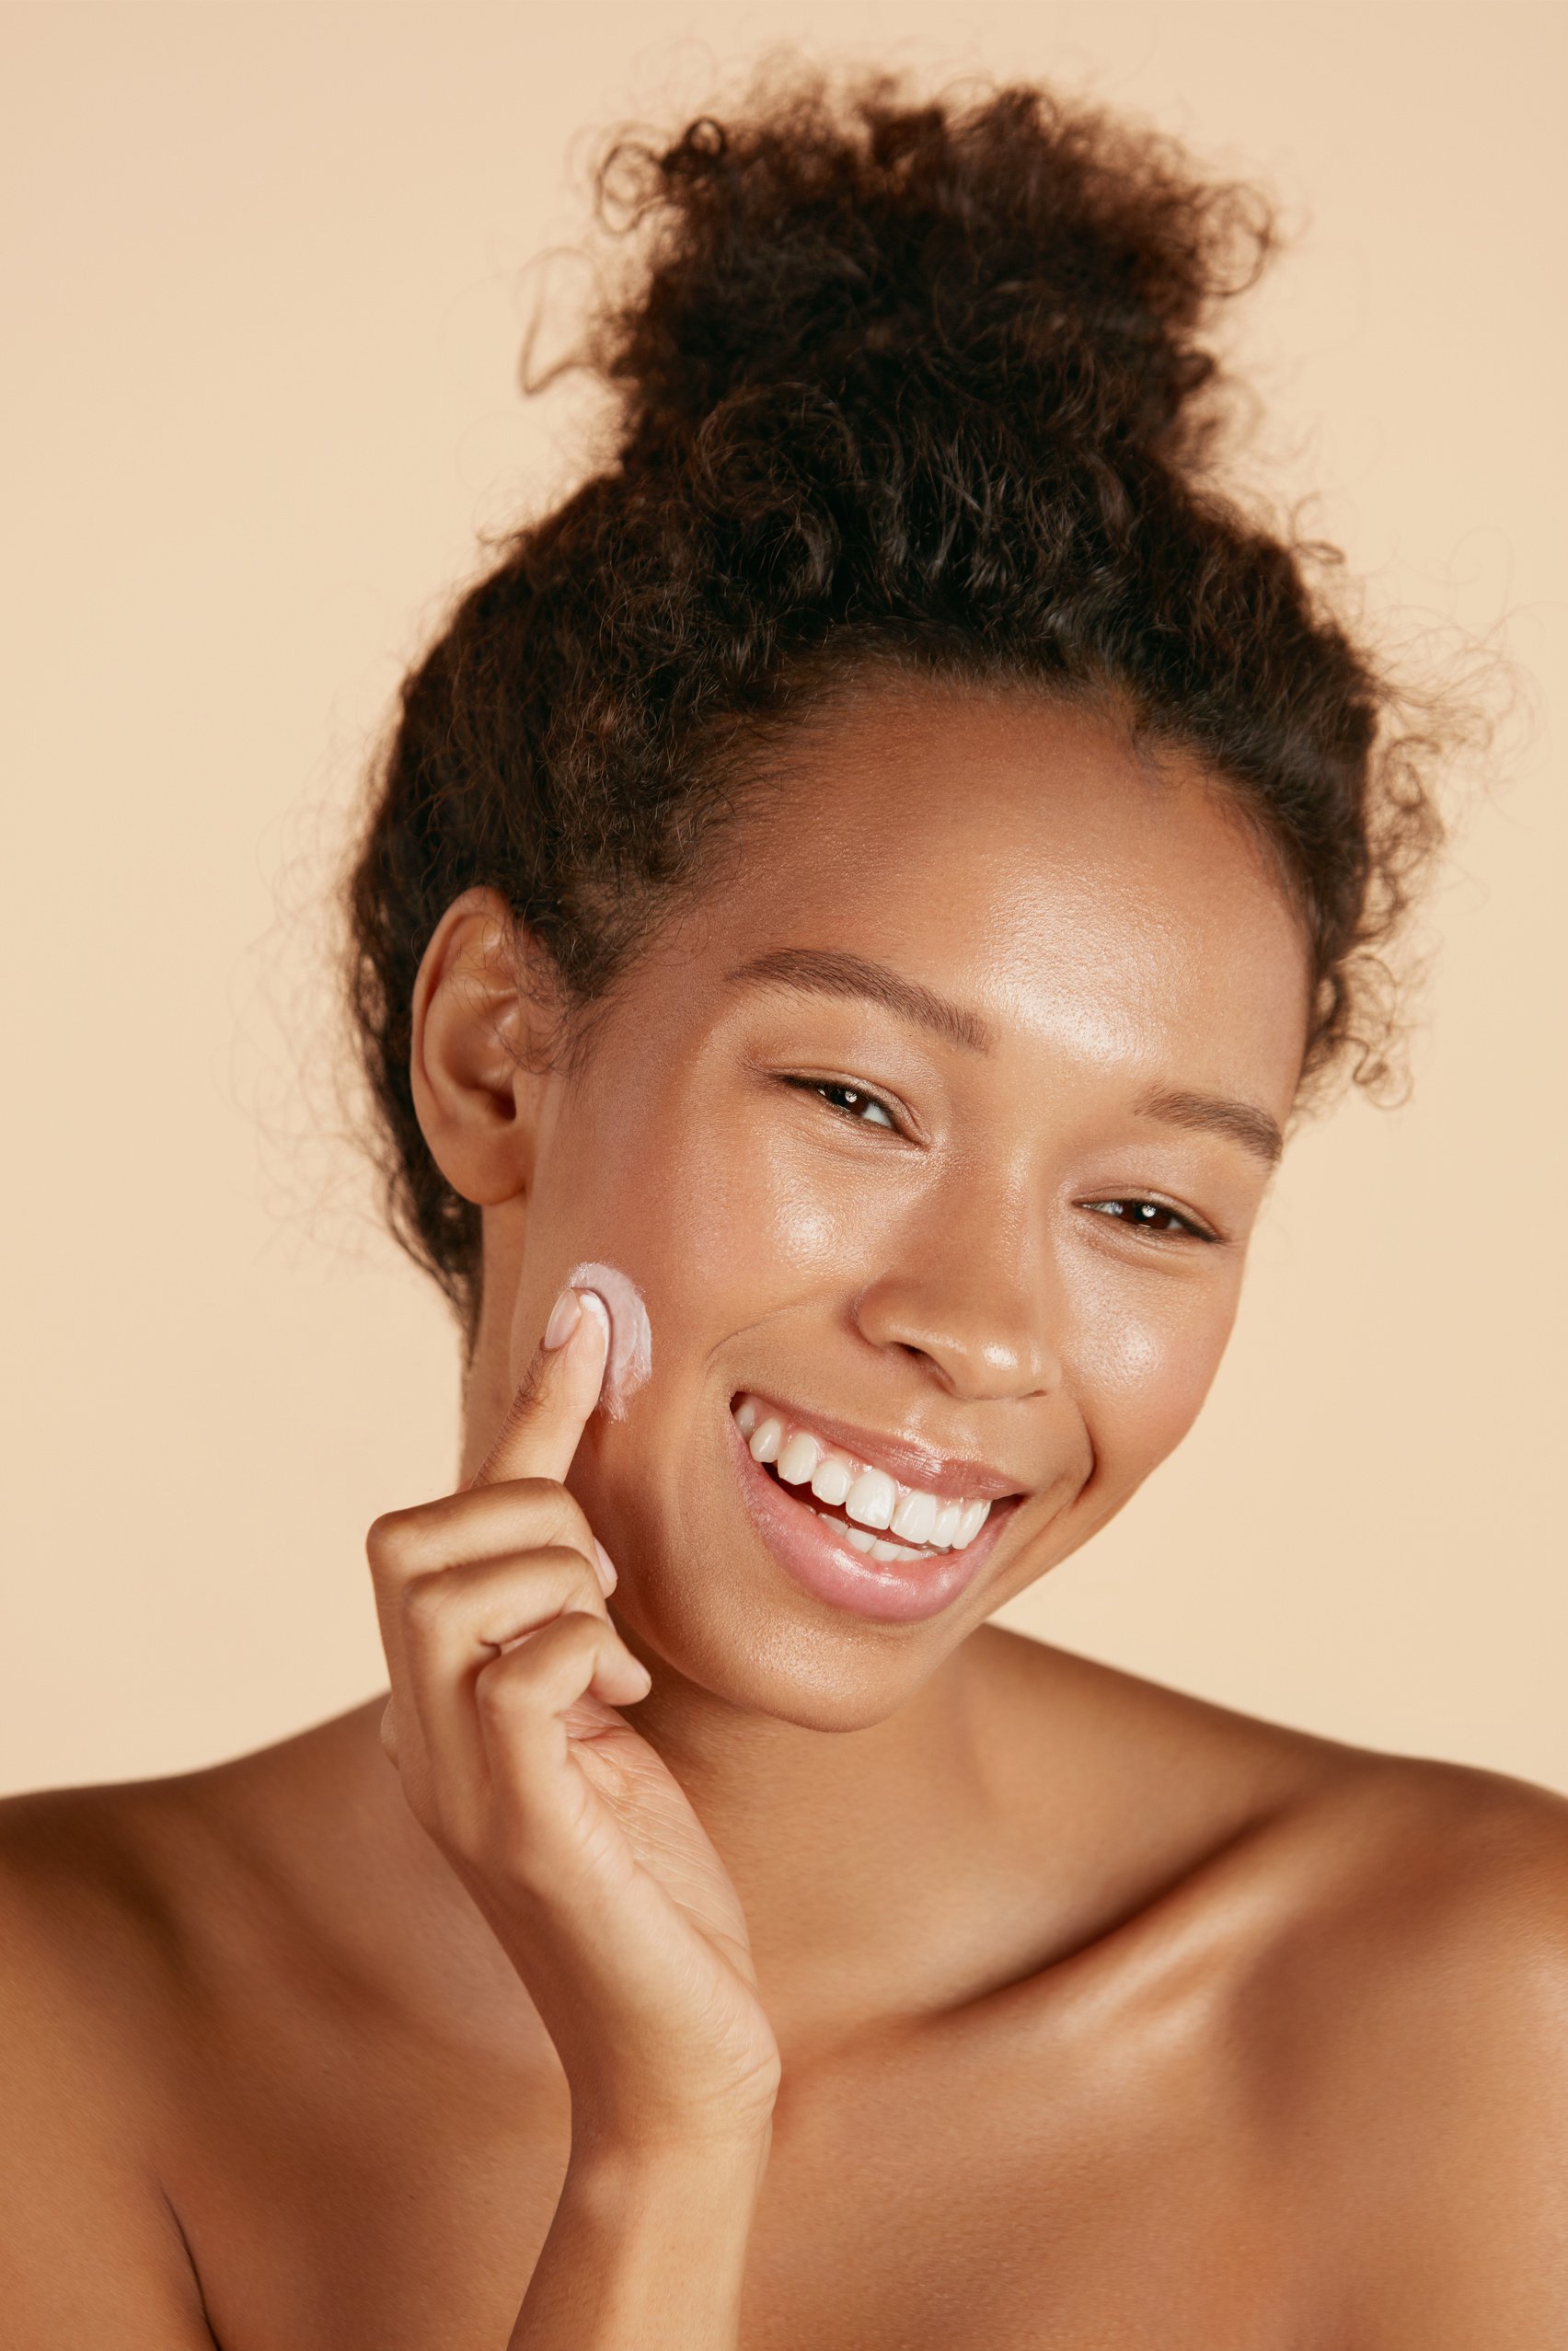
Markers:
point(1150, 1216)
point(851, 1101)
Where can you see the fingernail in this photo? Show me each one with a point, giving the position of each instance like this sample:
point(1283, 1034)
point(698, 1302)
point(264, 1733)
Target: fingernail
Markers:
point(608, 1579)
point(563, 1319)
point(594, 1304)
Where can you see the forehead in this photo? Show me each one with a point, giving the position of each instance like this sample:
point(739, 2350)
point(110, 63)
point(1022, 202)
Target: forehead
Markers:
point(1030, 859)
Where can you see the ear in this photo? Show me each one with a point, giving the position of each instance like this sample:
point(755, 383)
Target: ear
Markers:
point(475, 1063)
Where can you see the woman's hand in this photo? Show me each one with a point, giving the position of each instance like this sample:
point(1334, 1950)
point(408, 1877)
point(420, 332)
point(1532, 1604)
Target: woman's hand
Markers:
point(574, 1838)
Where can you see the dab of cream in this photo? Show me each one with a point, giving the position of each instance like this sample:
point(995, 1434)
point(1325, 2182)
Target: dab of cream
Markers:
point(630, 1358)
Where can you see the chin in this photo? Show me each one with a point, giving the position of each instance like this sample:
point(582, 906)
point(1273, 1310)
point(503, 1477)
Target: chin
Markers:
point(780, 1653)
point(791, 1673)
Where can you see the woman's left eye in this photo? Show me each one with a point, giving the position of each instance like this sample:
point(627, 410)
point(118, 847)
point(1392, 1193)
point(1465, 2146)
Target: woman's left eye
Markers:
point(1150, 1216)
point(851, 1101)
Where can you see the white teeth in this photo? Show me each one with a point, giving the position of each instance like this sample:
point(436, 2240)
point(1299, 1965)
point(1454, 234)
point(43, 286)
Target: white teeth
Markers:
point(832, 1478)
point(915, 1517)
point(975, 1517)
point(864, 1540)
point(871, 1498)
point(944, 1534)
point(798, 1459)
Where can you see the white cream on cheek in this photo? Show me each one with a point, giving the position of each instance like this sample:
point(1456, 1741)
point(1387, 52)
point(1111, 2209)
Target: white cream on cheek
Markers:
point(630, 1358)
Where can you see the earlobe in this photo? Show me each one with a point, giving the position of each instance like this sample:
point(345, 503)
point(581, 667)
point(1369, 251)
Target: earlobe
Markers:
point(475, 1080)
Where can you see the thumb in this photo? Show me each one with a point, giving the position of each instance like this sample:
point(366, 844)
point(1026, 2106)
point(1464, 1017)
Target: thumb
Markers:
point(559, 1391)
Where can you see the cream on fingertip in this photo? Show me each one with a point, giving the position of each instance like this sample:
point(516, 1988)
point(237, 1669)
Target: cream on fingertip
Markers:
point(630, 1360)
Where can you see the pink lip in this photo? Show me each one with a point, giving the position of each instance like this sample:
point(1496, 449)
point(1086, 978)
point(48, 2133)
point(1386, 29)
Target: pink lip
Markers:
point(832, 1570)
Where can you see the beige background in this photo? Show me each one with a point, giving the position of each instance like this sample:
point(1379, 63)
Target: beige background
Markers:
point(262, 300)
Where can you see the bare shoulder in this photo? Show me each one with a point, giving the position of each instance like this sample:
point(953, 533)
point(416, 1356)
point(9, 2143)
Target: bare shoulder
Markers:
point(120, 1908)
point(1389, 1898)
point(86, 1905)
point(1440, 1889)
point(1371, 1953)
point(1407, 2012)
point(1357, 1853)
point(90, 2249)
point(119, 1897)
point(87, 1875)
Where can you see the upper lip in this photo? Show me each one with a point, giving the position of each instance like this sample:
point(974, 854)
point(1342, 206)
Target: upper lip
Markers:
point(911, 1463)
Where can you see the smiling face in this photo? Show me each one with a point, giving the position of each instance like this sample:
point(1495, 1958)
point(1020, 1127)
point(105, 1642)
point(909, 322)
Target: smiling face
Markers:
point(934, 1136)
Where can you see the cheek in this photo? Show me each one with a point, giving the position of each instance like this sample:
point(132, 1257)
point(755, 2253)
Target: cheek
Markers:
point(746, 1217)
point(1145, 1356)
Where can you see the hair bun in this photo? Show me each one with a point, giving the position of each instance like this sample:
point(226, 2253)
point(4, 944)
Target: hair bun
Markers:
point(1017, 253)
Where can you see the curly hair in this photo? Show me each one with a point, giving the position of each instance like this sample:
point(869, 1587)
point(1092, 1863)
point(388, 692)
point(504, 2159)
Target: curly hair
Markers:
point(913, 384)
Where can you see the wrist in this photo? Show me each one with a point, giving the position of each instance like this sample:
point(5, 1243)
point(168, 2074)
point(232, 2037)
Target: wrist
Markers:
point(734, 2153)
point(648, 2248)
point(695, 2201)
point(652, 2131)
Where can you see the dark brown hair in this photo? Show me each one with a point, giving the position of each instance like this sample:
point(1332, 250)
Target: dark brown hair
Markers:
point(916, 384)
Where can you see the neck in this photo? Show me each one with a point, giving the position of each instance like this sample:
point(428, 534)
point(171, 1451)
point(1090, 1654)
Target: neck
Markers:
point(873, 1865)
point(838, 1842)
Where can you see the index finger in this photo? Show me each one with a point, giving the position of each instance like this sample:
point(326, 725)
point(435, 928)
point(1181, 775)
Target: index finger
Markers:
point(552, 1408)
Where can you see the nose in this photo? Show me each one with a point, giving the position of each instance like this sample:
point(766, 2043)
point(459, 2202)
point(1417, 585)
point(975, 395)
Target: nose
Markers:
point(976, 1302)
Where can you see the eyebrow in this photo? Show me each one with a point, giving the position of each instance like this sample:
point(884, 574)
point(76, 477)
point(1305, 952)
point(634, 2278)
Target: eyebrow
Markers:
point(821, 971)
point(1243, 1122)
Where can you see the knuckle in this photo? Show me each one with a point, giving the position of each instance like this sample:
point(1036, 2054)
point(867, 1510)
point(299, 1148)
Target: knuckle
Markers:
point(528, 1514)
point(494, 1600)
point(385, 1536)
point(544, 1502)
point(501, 1689)
point(515, 1678)
point(566, 1565)
point(424, 1600)
point(541, 1491)
point(570, 1516)
point(578, 1631)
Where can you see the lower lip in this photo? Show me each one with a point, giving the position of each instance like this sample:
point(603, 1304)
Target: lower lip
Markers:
point(822, 1563)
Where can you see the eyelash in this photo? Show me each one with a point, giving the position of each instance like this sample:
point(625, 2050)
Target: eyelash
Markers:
point(1117, 1210)
point(1114, 1208)
point(827, 1085)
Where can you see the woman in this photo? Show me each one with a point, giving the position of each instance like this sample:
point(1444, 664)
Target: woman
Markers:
point(865, 881)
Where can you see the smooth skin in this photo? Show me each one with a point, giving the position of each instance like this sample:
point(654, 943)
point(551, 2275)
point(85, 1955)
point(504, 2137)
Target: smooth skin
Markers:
point(677, 1960)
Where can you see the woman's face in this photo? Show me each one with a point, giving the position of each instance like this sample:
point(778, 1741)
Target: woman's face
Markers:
point(936, 1133)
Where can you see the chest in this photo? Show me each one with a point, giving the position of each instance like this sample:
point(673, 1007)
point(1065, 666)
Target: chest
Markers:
point(960, 2188)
